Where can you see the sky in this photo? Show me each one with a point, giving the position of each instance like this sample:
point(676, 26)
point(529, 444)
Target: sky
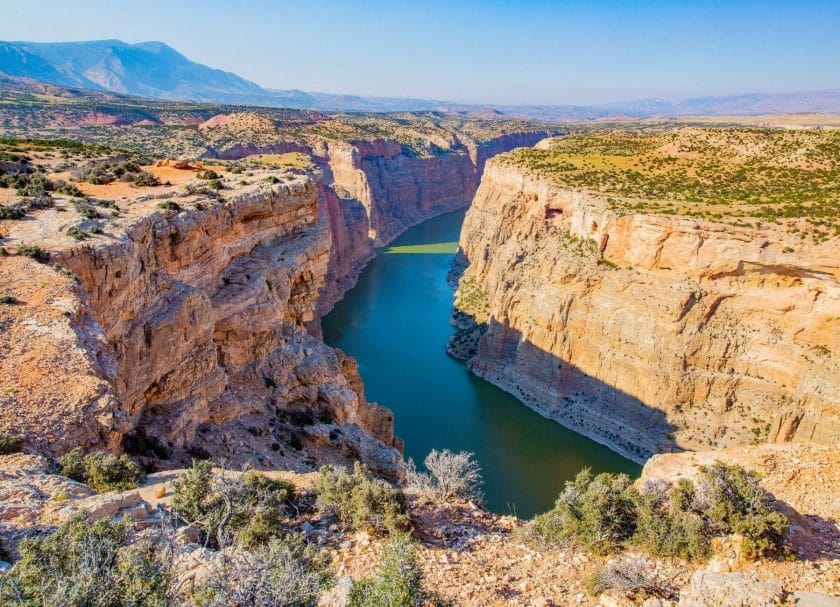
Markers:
point(499, 52)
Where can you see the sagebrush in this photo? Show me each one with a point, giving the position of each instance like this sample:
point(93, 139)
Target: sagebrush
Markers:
point(360, 501)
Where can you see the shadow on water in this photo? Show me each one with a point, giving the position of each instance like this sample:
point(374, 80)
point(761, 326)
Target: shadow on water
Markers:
point(395, 322)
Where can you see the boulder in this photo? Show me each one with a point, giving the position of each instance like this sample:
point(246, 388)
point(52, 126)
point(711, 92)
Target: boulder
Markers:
point(802, 598)
point(716, 589)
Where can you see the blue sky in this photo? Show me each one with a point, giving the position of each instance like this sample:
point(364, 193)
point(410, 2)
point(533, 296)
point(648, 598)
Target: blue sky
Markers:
point(494, 51)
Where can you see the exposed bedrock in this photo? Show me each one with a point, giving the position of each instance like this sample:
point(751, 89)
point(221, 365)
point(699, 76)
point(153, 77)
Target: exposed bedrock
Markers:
point(198, 317)
point(649, 333)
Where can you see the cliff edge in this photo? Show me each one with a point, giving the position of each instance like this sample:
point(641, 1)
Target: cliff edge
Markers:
point(667, 319)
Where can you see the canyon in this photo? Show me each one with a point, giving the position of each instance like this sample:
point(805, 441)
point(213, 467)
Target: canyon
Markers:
point(373, 190)
point(185, 323)
point(194, 328)
point(647, 332)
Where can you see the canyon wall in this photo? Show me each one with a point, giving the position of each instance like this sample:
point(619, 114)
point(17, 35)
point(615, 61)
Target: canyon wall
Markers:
point(197, 317)
point(375, 190)
point(648, 333)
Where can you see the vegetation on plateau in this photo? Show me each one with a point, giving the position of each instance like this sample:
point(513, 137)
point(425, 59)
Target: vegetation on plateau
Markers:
point(361, 502)
point(743, 176)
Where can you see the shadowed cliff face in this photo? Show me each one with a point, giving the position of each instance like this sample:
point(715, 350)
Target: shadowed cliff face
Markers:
point(731, 337)
point(563, 392)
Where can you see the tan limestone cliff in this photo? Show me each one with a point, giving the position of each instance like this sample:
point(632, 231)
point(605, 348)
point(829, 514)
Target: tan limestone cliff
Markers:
point(182, 319)
point(648, 332)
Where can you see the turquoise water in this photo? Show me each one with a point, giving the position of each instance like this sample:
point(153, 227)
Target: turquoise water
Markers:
point(395, 322)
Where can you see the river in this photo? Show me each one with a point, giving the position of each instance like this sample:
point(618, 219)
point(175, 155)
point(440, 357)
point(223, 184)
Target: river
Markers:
point(395, 322)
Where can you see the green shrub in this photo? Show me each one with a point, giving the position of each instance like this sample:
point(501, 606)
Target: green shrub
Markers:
point(598, 512)
point(107, 170)
point(398, 582)
point(39, 202)
point(88, 212)
point(72, 465)
point(192, 491)
point(10, 443)
point(272, 179)
point(144, 178)
point(283, 573)
point(736, 503)
point(76, 233)
point(12, 211)
point(8, 300)
point(667, 527)
point(260, 528)
point(606, 512)
point(250, 505)
point(102, 471)
point(208, 174)
point(263, 492)
point(106, 472)
point(261, 503)
point(360, 501)
point(68, 189)
point(169, 205)
point(33, 252)
point(87, 563)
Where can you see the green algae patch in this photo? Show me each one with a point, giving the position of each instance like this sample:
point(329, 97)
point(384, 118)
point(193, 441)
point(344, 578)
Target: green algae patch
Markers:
point(434, 248)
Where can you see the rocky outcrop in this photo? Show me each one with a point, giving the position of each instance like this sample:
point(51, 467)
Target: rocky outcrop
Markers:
point(650, 332)
point(709, 589)
point(374, 189)
point(194, 317)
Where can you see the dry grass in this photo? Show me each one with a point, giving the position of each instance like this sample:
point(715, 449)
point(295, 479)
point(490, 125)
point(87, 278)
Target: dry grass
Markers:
point(296, 160)
point(742, 176)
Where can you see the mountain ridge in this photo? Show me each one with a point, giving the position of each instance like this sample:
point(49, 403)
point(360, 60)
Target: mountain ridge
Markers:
point(156, 70)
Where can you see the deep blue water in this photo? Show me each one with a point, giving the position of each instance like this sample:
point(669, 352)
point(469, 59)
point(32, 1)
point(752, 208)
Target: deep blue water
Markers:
point(395, 322)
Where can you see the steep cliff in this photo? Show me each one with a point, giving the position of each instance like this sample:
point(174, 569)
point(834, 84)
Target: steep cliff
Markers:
point(183, 318)
point(374, 190)
point(644, 331)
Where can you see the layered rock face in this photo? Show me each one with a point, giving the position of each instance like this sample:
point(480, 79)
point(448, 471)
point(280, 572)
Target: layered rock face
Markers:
point(198, 317)
point(649, 332)
point(375, 190)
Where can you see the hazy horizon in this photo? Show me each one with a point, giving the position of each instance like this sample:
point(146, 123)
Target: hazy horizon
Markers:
point(494, 53)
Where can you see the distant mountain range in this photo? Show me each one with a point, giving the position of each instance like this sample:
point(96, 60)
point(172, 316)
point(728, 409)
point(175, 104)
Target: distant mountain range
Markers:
point(156, 70)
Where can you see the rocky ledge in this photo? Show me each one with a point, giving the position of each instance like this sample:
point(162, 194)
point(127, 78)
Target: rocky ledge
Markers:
point(375, 190)
point(467, 555)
